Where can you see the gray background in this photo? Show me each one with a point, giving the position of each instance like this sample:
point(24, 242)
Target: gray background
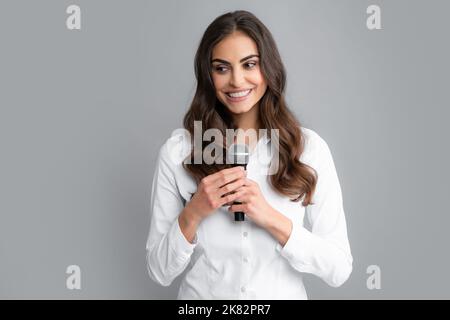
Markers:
point(83, 114)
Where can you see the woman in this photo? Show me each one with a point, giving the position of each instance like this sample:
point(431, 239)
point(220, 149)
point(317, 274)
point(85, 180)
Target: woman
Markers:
point(240, 85)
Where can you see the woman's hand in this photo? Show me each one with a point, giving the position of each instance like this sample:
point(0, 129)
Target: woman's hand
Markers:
point(254, 205)
point(215, 191)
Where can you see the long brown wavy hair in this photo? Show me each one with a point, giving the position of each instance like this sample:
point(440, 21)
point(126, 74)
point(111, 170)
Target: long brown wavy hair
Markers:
point(293, 178)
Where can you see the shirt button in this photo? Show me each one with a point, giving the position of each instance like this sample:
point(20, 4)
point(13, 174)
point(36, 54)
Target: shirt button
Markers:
point(245, 260)
point(242, 289)
point(245, 234)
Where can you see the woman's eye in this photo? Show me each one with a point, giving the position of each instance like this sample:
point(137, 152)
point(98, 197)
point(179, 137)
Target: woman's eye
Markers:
point(220, 69)
point(223, 69)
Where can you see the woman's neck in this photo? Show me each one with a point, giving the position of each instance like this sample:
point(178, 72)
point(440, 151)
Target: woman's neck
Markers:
point(248, 120)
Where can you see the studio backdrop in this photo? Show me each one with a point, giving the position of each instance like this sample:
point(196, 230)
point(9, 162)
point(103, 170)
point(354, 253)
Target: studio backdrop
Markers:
point(90, 90)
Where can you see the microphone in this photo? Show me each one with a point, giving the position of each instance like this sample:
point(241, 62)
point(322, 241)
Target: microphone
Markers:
point(238, 155)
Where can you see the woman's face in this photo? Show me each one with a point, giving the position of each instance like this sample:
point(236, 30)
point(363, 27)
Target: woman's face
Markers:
point(236, 73)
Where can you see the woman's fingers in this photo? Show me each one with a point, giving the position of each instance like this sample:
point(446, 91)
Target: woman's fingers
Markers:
point(215, 178)
point(222, 185)
point(229, 199)
point(223, 191)
point(228, 176)
point(237, 208)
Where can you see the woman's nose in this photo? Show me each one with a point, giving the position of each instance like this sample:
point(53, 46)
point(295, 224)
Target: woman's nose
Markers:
point(237, 78)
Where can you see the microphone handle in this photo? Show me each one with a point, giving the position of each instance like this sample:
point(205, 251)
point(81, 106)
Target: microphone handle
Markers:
point(239, 216)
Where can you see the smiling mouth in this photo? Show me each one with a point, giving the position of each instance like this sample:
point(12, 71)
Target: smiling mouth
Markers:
point(239, 94)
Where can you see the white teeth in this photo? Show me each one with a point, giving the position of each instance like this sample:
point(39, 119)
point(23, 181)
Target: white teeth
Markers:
point(239, 94)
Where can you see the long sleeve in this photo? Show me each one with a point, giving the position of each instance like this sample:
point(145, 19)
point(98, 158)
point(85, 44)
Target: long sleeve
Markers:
point(168, 251)
point(324, 251)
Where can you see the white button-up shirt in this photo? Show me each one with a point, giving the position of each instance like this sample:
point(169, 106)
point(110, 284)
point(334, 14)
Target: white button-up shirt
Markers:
point(238, 259)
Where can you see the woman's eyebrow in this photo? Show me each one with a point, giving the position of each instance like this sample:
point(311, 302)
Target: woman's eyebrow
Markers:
point(242, 60)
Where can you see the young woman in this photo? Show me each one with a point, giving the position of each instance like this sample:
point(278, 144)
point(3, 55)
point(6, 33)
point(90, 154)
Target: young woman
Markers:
point(240, 85)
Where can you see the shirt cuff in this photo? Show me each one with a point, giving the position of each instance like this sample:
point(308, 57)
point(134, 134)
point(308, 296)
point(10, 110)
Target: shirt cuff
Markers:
point(179, 243)
point(299, 247)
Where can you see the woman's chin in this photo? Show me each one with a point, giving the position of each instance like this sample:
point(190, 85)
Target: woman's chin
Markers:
point(236, 111)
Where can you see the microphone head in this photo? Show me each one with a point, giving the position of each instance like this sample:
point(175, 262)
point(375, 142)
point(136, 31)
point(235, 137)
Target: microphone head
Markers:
point(238, 154)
